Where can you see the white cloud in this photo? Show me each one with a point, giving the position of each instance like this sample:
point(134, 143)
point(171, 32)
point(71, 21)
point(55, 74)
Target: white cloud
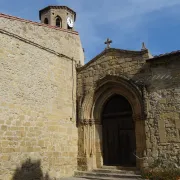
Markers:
point(124, 15)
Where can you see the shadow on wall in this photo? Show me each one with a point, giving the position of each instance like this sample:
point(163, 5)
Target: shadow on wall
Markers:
point(30, 171)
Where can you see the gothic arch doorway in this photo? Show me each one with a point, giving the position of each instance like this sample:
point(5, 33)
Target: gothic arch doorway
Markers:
point(94, 112)
point(119, 142)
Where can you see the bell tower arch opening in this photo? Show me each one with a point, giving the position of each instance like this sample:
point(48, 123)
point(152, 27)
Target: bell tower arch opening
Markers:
point(58, 21)
point(46, 21)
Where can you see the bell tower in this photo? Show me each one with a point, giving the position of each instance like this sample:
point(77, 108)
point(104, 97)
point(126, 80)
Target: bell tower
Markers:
point(59, 16)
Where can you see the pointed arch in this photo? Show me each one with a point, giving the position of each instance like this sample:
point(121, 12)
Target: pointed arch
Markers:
point(58, 21)
point(46, 21)
point(108, 86)
point(93, 105)
point(117, 85)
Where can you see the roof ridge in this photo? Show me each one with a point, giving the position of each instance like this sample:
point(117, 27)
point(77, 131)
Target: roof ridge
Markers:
point(164, 55)
point(36, 23)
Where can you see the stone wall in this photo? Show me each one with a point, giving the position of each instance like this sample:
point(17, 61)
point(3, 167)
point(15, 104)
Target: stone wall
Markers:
point(37, 99)
point(55, 39)
point(163, 107)
point(158, 84)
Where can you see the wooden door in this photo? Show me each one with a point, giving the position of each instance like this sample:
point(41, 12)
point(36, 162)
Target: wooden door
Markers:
point(119, 142)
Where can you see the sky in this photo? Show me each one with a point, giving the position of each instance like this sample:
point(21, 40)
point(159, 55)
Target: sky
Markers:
point(127, 23)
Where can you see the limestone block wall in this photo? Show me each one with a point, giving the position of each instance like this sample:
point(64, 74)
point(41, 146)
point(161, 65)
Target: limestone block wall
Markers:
point(37, 100)
point(58, 40)
point(163, 107)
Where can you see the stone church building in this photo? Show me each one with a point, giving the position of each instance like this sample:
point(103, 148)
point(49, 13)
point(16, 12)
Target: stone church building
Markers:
point(122, 108)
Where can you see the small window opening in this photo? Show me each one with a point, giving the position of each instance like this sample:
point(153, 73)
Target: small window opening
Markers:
point(46, 21)
point(58, 22)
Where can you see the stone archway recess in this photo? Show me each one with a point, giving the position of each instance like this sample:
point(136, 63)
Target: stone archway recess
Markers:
point(90, 129)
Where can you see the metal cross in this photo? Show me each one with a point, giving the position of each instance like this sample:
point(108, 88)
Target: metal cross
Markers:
point(108, 42)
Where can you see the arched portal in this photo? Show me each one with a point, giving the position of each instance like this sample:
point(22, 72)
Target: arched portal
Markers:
point(112, 92)
point(119, 142)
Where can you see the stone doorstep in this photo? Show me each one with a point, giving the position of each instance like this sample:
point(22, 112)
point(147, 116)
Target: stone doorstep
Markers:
point(120, 168)
point(96, 178)
point(104, 178)
point(111, 173)
point(72, 178)
point(108, 175)
point(117, 171)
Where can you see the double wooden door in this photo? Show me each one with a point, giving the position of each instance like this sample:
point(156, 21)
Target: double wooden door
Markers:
point(119, 143)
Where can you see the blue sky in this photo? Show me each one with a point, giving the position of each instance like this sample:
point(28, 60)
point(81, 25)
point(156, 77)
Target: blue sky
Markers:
point(127, 22)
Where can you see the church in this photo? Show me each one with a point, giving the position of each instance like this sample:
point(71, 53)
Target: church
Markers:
point(120, 109)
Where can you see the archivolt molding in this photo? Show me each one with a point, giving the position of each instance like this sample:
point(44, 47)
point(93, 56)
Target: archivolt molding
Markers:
point(93, 105)
point(86, 107)
point(124, 80)
point(105, 88)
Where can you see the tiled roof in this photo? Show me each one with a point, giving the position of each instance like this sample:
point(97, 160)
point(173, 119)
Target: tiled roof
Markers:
point(165, 55)
point(36, 23)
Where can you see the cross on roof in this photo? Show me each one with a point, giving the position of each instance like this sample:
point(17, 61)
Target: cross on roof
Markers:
point(108, 42)
point(143, 46)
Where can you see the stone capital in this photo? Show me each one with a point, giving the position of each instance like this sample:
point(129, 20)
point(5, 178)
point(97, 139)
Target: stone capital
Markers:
point(90, 122)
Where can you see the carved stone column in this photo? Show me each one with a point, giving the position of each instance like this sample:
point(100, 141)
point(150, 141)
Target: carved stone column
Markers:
point(98, 144)
point(87, 153)
point(82, 160)
point(140, 140)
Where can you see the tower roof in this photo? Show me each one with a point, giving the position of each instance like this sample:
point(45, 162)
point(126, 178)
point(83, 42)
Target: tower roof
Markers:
point(56, 7)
